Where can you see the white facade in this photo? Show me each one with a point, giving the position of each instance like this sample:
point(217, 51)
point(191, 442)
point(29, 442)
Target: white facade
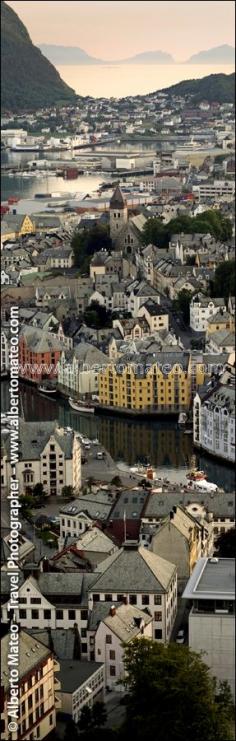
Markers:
point(224, 189)
point(202, 309)
point(4, 353)
point(214, 423)
point(109, 647)
point(87, 693)
point(134, 302)
point(211, 588)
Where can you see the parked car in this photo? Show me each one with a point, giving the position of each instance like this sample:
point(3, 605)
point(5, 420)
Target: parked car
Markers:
point(180, 636)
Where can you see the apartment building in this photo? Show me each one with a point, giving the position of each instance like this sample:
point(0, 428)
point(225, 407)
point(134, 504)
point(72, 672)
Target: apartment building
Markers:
point(5, 362)
point(39, 353)
point(202, 308)
point(223, 189)
point(78, 369)
point(142, 579)
point(211, 589)
point(48, 454)
point(156, 317)
point(160, 382)
point(38, 689)
point(214, 421)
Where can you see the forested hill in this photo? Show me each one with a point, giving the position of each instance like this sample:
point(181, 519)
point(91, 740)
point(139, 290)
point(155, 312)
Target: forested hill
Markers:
point(29, 80)
point(213, 88)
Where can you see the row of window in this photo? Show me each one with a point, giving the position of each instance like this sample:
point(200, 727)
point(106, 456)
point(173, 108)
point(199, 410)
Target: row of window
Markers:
point(132, 598)
point(47, 614)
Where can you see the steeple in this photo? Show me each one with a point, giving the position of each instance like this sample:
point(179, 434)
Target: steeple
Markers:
point(117, 200)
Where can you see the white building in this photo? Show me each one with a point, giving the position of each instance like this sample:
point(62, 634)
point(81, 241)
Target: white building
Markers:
point(5, 351)
point(223, 189)
point(211, 588)
point(82, 683)
point(202, 308)
point(145, 580)
point(48, 454)
point(78, 370)
point(214, 422)
point(120, 626)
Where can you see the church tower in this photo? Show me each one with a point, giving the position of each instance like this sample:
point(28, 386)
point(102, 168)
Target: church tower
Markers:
point(118, 214)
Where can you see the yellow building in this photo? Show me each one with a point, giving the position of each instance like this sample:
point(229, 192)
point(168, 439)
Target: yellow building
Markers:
point(220, 321)
point(16, 225)
point(160, 383)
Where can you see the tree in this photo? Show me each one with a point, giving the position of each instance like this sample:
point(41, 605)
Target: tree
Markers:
point(182, 304)
point(68, 492)
point(97, 316)
point(116, 481)
point(85, 720)
point(171, 695)
point(210, 221)
point(85, 243)
point(225, 544)
point(99, 714)
point(38, 490)
point(71, 733)
point(224, 280)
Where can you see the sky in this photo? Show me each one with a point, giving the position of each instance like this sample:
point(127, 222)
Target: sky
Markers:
point(115, 30)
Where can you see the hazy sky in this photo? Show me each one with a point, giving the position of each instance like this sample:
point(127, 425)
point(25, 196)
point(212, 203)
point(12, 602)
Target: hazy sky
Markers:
point(112, 30)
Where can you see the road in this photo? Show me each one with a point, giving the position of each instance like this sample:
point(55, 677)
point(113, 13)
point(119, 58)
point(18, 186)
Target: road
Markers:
point(181, 330)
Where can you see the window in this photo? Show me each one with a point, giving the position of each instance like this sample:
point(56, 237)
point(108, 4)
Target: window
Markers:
point(158, 617)
point(158, 634)
point(23, 708)
point(59, 614)
point(112, 655)
point(30, 702)
point(47, 614)
point(35, 601)
point(84, 614)
point(35, 614)
point(41, 692)
point(22, 614)
point(108, 639)
point(36, 695)
point(51, 720)
point(112, 671)
point(71, 614)
point(145, 599)
point(30, 719)
point(83, 632)
point(84, 648)
point(108, 597)
point(157, 599)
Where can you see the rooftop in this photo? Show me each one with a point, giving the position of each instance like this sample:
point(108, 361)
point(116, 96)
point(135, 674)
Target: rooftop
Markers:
point(73, 674)
point(212, 578)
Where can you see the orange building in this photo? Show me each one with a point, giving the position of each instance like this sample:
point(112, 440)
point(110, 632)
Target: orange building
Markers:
point(39, 354)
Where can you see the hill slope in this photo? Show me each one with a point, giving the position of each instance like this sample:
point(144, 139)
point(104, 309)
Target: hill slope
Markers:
point(218, 55)
point(214, 88)
point(29, 80)
point(76, 55)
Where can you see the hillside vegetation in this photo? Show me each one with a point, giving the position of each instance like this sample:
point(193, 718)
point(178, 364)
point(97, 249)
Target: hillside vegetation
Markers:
point(213, 88)
point(29, 80)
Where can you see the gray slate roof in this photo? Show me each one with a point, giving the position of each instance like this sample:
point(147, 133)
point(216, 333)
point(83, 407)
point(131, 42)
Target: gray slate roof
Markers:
point(133, 569)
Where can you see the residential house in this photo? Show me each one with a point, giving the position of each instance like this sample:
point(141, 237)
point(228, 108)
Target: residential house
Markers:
point(38, 689)
point(93, 543)
point(221, 341)
point(89, 509)
point(214, 420)
point(131, 329)
point(138, 292)
point(222, 321)
point(156, 316)
point(78, 369)
point(211, 623)
point(48, 454)
point(145, 580)
point(202, 308)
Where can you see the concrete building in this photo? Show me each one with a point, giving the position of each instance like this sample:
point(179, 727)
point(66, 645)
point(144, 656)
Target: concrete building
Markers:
point(144, 580)
point(211, 589)
point(202, 309)
point(217, 189)
point(48, 454)
point(214, 421)
point(5, 337)
point(122, 624)
point(38, 689)
point(82, 684)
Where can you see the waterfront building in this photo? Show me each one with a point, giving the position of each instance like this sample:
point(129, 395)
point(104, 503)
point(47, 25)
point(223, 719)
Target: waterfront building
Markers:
point(38, 689)
point(160, 382)
point(5, 341)
point(211, 589)
point(39, 353)
point(78, 369)
point(142, 579)
point(202, 308)
point(48, 454)
point(214, 421)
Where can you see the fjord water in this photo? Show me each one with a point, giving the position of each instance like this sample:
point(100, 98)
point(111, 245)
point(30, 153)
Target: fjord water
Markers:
point(119, 81)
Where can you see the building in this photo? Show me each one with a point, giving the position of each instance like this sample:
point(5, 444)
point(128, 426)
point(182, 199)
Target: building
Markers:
point(39, 354)
point(82, 684)
point(122, 624)
point(221, 321)
point(78, 369)
point(216, 189)
point(156, 317)
point(76, 518)
point(5, 341)
point(185, 538)
point(159, 382)
point(202, 309)
point(48, 454)
point(214, 421)
point(211, 589)
point(125, 231)
point(93, 544)
point(38, 689)
point(14, 226)
point(144, 580)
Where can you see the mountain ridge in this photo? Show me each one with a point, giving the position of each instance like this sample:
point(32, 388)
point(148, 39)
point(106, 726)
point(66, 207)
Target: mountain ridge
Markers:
point(72, 55)
point(223, 54)
point(29, 80)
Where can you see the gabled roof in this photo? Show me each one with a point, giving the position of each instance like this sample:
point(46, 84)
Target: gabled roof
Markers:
point(134, 569)
point(117, 200)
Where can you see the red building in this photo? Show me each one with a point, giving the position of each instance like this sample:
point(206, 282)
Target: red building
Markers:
point(39, 354)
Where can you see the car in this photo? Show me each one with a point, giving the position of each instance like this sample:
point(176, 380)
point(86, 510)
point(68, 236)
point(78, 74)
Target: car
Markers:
point(100, 455)
point(180, 636)
point(95, 442)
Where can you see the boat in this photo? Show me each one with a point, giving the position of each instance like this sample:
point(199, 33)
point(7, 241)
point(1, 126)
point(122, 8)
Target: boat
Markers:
point(48, 390)
point(196, 475)
point(81, 406)
point(202, 485)
point(182, 419)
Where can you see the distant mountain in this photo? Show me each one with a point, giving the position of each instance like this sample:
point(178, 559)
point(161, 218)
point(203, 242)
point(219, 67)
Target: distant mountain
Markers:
point(213, 88)
point(75, 55)
point(67, 55)
point(218, 55)
point(29, 80)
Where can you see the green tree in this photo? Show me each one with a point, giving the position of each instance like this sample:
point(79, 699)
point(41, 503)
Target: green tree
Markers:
point(223, 283)
point(68, 492)
point(85, 720)
point(71, 733)
point(171, 695)
point(97, 316)
point(99, 714)
point(182, 303)
point(38, 491)
point(210, 221)
point(225, 544)
point(86, 243)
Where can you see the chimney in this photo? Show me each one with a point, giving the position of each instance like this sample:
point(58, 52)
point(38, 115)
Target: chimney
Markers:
point(175, 509)
point(171, 514)
point(112, 611)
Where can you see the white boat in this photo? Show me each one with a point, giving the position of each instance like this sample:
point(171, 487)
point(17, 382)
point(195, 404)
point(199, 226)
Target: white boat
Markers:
point(81, 406)
point(47, 389)
point(202, 485)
